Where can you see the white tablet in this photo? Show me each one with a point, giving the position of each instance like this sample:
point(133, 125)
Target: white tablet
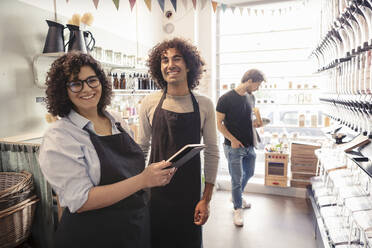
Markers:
point(185, 154)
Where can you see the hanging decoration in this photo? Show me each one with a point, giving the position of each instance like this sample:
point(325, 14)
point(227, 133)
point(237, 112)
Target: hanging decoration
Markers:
point(148, 4)
point(67, 1)
point(203, 3)
point(194, 3)
point(161, 4)
point(241, 10)
point(95, 3)
point(174, 3)
point(214, 5)
point(116, 2)
point(223, 6)
point(132, 3)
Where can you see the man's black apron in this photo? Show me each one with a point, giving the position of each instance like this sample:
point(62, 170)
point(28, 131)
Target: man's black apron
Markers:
point(172, 207)
point(124, 224)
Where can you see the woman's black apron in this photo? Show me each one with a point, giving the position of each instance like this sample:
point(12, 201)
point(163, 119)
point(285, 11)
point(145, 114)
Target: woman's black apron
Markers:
point(123, 224)
point(172, 207)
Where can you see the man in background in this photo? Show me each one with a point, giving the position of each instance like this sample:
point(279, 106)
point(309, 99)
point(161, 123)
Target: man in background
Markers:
point(235, 122)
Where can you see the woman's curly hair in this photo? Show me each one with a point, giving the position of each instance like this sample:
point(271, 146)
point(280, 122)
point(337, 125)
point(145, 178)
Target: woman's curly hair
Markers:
point(57, 101)
point(190, 54)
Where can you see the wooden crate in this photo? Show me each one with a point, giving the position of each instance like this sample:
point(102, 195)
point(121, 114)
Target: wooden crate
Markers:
point(299, 183)
point(304, 150)
point(302, 175)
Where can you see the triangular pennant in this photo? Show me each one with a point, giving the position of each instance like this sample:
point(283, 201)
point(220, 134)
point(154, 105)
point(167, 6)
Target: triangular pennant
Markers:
point(161, 4)
point(203, 2)
point(174, 3)
point(223, 7)
point(214, 5)
point(194, 3)
point(241, 10)
point(95, 3)
point(262, 11)
point(132, 3)
point(148, 4)
point(249, 11)
point(232, 9)
point(116, 2)
point(256, 12)
point(185, 3)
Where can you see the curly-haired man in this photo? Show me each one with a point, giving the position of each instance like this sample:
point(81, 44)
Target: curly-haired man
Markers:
point(170, 119)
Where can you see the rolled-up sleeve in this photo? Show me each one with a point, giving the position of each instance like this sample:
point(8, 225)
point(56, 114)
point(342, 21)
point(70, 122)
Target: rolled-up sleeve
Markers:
point(63, 162)
point(211, 152)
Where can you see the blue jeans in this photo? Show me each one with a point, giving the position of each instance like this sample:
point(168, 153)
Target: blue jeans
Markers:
point(241, 163)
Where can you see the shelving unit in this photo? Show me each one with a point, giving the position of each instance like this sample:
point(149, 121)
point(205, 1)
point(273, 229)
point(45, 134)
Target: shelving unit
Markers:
point(343, 56)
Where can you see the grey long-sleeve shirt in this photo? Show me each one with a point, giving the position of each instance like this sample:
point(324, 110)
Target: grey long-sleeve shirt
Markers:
point(183, 104)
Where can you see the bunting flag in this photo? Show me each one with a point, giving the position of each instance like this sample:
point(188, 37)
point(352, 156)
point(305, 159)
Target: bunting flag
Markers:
point(194, 3)
point(148, 4)
point(203, 2)
point(262, 11)
point(161, 4)
point(132, 3)
point(223, 7)
point(214, 5)
point(256, 12)
point(185, 3)
point(241, 10)
point(249, 11)
point(116, 2)
point(174, 3)
point(232, 9)
point(95, 3)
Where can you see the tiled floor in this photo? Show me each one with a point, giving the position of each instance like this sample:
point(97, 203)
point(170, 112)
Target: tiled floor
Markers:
point(273, 221)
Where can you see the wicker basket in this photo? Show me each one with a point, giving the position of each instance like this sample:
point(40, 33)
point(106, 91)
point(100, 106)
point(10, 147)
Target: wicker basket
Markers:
point(15, 187)
point(15, 223)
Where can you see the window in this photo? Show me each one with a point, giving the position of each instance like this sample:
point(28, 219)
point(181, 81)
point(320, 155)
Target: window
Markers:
point(277, 39)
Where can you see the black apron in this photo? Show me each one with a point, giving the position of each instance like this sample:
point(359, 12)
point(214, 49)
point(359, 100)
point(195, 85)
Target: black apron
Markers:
point(172, 207)
point(123, 224)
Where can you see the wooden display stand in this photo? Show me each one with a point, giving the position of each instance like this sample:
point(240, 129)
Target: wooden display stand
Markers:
point(303, 163)
point(276, 167)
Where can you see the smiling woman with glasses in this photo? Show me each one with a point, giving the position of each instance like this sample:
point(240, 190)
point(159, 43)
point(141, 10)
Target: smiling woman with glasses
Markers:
point(92, 163)
point(77, 85)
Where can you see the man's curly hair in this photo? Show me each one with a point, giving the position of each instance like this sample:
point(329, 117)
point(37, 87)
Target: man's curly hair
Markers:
point(57, 101)
point(190, 54)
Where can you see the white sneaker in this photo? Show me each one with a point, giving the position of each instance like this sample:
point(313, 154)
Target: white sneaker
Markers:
point(245, 204)
point(238, 217)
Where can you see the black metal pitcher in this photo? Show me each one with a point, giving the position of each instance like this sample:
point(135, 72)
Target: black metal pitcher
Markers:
point(54, 42)
point(76, 40)
point(90, 42)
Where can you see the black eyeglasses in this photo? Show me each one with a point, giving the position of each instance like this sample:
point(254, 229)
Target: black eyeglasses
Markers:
point(77, 85)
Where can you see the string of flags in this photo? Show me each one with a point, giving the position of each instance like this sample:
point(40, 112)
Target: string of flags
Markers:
point(202, 4)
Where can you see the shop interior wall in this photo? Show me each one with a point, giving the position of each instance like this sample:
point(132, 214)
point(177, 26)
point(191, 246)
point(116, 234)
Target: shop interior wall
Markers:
point(22, 36)
point(198, 26)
